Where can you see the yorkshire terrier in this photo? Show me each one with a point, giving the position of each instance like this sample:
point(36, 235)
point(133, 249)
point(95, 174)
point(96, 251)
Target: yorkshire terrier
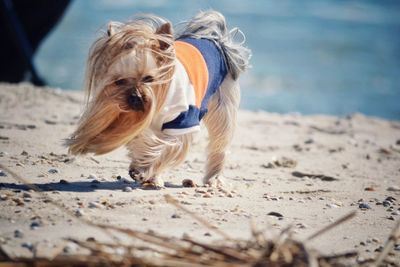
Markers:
point(148, 88)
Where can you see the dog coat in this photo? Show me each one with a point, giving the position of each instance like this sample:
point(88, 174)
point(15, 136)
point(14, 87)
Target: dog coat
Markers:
point(199, 71)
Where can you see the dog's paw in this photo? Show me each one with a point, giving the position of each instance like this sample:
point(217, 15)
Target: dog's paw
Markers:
point(216, 181)
point(152, 184)
point(136, 175)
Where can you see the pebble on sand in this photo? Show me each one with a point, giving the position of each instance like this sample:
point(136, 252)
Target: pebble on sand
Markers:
point(53, 170)
point(2, 173)
point(127, 189)
point(393, 188)
point(18, 234)
point(276, 214)
point(92, 176)
point(95, 205)
point(35, 225)
point(188, 183)
point(79, 213)
point(364, 206)
point(27, 245)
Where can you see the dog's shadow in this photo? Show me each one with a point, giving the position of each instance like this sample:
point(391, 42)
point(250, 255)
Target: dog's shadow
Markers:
point(79, 186)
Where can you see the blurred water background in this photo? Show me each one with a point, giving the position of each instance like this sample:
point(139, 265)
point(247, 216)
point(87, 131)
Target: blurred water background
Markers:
point(315, 56)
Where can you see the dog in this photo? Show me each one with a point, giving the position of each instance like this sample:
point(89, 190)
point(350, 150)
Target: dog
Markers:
point(148, 88)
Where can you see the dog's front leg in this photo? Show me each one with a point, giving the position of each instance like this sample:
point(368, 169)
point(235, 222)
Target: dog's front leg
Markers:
point(144, 152)
point(151, 154)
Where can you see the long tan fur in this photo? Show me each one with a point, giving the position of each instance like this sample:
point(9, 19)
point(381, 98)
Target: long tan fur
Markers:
point(138, 58)
point(108, 122)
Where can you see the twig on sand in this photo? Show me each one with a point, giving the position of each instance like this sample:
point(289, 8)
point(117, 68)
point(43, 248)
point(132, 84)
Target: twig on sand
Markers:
point(208, 225)
point(94, 160)
point(154, 250)
point(394, 236)
point(332, 225)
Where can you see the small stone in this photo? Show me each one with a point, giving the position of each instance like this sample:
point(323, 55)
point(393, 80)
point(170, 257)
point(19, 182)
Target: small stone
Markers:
point(53, 171)
point(369, 188)
point(390, 199)
point(207, 195)
point(26, 195)
point(207, 234)
point(396, 213)
point(386, 203)
point(393, 188)
point(3, 197)
point(276, 214)
point(175, 216)
point(92, 176)
point(127, 189)
point(95, 205)
point(309, 141)
point(90, 239)
point(201, 191)
point(332, 205)
point(18, 201)
point(376, 240)
point(364, 206)
point(79, 213)
point(35, 225)
point(188, 183)
point(95, 181)
point(70, 248)
point(62, 181)
point(18, 234)
point(27, 245)
point(390, 218)
point(2, 173)
point(301, 226)
point(24, 153)
point(397, 247)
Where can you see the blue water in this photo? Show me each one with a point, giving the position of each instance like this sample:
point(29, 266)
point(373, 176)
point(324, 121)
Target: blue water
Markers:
point(314, 56)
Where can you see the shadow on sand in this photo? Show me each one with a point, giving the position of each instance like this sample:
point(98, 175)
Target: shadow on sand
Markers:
point(81, 186)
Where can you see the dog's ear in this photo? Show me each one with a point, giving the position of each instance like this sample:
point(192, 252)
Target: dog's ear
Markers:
point(165, 29)
point(112, 28)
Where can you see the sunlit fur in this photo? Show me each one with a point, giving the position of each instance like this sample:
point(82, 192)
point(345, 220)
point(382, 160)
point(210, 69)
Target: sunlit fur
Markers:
point(118, 65)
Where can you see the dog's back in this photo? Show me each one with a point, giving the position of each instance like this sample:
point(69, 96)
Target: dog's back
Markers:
point(211, 25)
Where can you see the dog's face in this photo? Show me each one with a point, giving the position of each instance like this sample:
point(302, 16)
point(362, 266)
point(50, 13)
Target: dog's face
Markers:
point(127, 78)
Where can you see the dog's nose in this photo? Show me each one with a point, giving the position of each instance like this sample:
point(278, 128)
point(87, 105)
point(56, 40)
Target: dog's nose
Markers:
point(136, 102)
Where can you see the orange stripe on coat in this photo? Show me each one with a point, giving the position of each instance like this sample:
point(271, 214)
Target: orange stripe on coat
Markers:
point(196, 68)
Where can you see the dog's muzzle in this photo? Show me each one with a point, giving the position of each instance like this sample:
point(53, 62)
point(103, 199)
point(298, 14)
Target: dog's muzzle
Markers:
point(136, 102)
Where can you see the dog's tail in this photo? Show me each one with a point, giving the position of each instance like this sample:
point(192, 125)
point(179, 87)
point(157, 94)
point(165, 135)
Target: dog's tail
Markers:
point(211, 25)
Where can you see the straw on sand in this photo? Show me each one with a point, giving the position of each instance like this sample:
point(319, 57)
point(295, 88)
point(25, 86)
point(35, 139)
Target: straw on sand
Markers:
point(156, 250)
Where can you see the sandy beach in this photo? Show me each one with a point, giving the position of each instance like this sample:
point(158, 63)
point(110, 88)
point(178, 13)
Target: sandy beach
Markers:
point(304, 171)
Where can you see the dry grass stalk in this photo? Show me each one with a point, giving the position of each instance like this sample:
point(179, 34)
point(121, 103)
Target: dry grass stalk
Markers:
point(154, 250)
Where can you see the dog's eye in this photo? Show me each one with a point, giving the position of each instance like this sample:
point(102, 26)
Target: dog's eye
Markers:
point(121, 82)
point(148, 79)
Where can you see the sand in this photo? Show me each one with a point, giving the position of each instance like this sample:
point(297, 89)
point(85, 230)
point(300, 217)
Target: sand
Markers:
point(306, 170)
